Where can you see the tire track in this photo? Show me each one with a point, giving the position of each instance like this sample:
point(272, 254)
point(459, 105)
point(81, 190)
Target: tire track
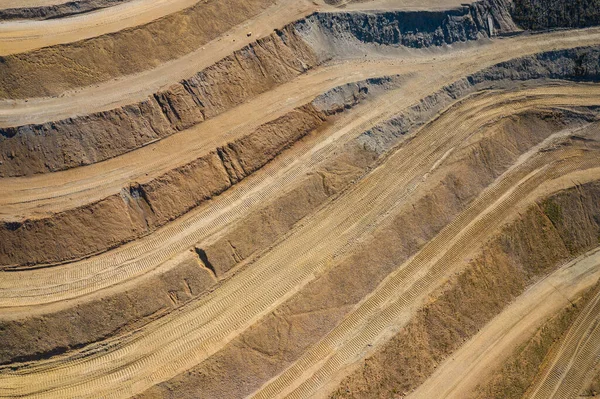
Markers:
point(69, 189)
point(459, 375)
point(573, 364)
point(413, 281)
point(126, 365)
point(81, 278)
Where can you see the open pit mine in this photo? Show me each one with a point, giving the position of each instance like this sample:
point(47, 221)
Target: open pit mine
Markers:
point(227, 199)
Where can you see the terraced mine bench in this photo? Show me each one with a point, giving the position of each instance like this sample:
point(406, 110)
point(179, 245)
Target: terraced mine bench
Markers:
point(359, 199)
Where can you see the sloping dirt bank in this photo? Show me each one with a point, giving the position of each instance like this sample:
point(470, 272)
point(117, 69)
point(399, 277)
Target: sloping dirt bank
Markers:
point(255, 69)
point(539, 241)
point(59, 68)
point(141, 209)
point(514, 378)
point(52, 70)
point(92, 138)
point(517, 130)
point(269, 347)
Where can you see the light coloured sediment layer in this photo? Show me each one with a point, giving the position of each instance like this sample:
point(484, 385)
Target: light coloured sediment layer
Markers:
point(353, 214)
point(459, 375)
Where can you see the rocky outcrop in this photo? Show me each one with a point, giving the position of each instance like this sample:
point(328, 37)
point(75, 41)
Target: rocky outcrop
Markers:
point(344, 33)
point(346, 96)
point(547, 14)
point(410, 29)
point(579, 64)
point(57, 10)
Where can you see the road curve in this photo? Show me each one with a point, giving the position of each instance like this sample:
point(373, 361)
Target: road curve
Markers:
point(471, 364)
point(181, 339)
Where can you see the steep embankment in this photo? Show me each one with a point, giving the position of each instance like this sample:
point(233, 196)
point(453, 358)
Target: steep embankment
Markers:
point(264, 226)
point(141, 208)
point(295, 265)
point(145, 207)
point(52, 70)
point(88, 139)
point(255, 69)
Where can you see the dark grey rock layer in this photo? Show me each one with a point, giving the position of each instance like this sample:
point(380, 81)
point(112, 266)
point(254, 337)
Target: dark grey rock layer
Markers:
point(548, 14)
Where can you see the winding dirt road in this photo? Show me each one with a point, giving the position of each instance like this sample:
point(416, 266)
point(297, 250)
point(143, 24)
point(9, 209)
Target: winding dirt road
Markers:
point(572, 366)
point(181, 339)
point(472, 363)
point(160, 347)
point(430, 71)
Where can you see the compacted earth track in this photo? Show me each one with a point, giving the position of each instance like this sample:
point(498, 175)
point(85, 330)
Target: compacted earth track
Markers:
point(273, 199)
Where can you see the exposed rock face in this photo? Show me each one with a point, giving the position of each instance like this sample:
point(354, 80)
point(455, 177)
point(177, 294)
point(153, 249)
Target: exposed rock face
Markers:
point(498, 12)
point(57, 10)
point(546, 14)
point(574, 64)
point(410, 29)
